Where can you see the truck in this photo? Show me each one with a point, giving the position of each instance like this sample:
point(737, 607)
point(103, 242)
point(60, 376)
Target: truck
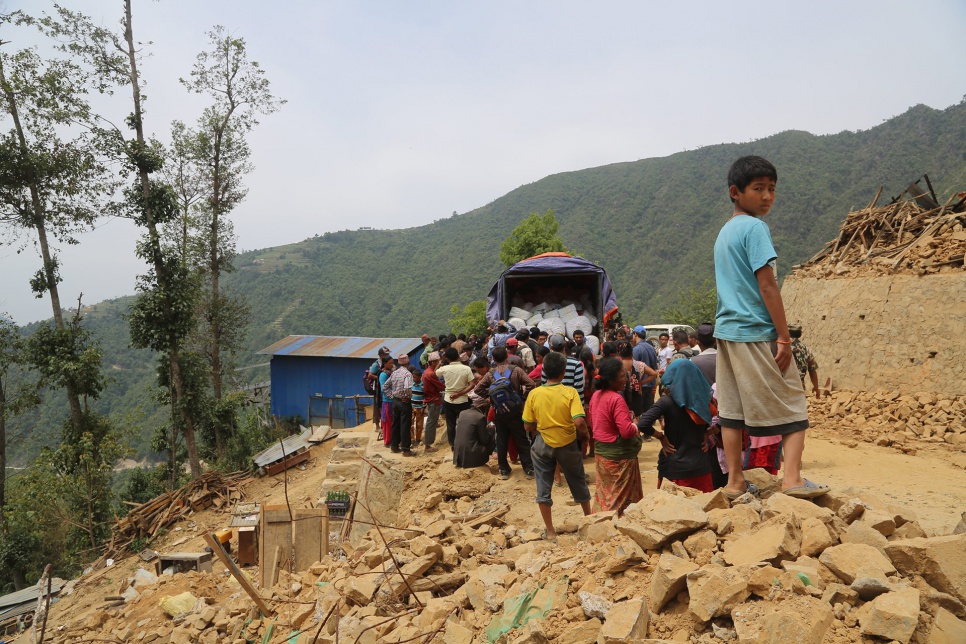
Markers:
point(553, 285)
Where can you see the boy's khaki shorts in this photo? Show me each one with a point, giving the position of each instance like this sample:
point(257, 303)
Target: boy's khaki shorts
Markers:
point(754, 395)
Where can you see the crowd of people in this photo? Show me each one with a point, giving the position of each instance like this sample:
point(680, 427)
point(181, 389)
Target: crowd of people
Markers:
point(724, 398)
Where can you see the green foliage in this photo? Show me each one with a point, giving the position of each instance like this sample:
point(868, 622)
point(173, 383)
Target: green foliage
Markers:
point(68, 357)
point(694, 306)
point(470, 319)
point(535, 235)
point(254, 433)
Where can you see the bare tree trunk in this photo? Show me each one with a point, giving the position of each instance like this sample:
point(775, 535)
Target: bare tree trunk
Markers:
point(215, 308)
point(174, 355)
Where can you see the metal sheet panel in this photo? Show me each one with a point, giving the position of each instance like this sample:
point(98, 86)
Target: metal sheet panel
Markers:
point(327, 346)
point(278, 451)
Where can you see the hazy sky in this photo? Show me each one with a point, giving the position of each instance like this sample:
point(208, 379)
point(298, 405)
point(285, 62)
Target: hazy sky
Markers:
point(400, 113)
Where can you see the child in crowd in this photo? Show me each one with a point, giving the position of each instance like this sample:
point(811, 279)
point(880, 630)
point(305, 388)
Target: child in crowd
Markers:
point(553, 413)
point(758, 385)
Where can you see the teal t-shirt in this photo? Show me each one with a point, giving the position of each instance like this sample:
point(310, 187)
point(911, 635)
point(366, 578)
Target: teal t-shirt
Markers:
point(744, 245)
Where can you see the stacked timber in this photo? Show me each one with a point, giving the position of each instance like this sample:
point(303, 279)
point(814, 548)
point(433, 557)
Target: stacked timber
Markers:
point(146, 520)
point(913, 234)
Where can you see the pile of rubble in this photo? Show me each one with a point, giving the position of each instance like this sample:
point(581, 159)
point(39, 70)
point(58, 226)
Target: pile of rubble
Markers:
point(913, 234)
point(901, 420)
point(678, 566)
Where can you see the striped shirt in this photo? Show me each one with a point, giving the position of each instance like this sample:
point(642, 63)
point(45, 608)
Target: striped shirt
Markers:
point(573, 376)
point(417, 394)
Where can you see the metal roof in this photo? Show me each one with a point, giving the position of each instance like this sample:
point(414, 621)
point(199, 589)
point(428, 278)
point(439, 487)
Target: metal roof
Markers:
point(30, 594)
point(329, 346)
point(287, 447)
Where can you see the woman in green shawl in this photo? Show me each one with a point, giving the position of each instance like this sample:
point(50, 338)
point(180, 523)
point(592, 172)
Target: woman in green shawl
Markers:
point(616, 441)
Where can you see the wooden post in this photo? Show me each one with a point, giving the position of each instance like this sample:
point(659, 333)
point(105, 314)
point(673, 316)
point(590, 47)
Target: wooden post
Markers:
point(311, 536)
point(276, 532)
point(219, 551)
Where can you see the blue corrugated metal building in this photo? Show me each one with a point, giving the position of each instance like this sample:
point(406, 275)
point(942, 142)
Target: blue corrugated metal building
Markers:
point(309, 371)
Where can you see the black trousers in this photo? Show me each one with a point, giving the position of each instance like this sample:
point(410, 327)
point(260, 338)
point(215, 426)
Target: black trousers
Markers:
point(512, 425)
point(648, 393)
point(452, 411)
point(402, 419)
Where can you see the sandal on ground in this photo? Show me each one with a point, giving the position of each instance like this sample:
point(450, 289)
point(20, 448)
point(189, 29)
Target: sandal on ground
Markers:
point(808, 490)
point(750, 488)
point(558, 483)
point(543, 535)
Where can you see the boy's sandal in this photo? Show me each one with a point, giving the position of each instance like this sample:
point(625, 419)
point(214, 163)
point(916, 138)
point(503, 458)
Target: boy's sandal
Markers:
point(543, 535)
point(808, 490)
point(558, 483)
point(750, 488)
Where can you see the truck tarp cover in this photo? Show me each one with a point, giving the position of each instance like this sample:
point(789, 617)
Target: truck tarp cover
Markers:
point(551, 263)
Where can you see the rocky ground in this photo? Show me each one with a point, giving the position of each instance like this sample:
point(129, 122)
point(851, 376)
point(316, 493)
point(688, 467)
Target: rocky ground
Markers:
point(881, 558)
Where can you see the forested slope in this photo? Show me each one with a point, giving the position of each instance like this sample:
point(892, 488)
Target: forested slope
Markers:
point(650, 223)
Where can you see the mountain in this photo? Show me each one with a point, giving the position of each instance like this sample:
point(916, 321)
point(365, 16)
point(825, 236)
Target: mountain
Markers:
point(650, 223)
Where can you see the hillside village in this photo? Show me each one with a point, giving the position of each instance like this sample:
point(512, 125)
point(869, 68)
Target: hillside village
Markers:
point(230, 448)
point(428, 552)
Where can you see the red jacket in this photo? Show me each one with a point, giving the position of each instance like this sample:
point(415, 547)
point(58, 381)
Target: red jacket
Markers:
point(432, 387)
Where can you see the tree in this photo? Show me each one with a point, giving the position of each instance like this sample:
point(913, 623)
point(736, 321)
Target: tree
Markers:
point(162, 316)
point(469, 319)
point(696, 305)
point(18, 392)
point(240, 93)
point(51, 185)
point(535, 235)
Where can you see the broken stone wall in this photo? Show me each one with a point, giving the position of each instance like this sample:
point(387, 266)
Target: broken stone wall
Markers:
point(884, 332)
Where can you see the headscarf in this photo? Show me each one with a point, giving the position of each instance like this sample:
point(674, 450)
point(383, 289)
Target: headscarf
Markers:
point(689, 388)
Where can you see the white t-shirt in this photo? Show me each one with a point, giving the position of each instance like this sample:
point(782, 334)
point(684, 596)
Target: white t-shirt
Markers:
point(665, 356)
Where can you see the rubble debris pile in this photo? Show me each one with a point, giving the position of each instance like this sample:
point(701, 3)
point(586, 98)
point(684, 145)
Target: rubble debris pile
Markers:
point(905, 421)
point(911, 235)
point(678, 566)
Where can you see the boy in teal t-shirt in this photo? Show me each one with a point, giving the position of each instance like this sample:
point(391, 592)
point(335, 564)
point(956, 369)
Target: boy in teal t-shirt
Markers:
point(758, 385)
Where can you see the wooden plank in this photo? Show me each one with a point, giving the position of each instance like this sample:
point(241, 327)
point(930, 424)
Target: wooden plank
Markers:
point(241, 577)
point(276, 532)
point(274, 563)
point(311, 536)
point(288, 462)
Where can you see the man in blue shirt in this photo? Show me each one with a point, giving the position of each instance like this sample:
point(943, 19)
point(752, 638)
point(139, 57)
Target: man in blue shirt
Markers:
point(644, 352)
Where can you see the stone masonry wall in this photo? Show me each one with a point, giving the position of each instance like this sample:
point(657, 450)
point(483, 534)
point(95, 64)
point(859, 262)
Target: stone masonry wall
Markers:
point(896, 331)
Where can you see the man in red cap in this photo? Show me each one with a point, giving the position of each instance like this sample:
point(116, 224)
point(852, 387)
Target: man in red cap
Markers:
point(512, 346)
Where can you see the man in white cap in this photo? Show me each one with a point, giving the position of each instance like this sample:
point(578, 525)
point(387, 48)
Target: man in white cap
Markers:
point(400, 387)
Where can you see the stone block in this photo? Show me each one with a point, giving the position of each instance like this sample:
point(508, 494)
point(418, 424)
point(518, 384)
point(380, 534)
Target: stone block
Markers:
point(803, 620)
point(712, 500)
point(669, 579)
point(847, 559)
point(658, 517)
point(910, 530)
point(947, 629)
point(581, 633)
point(802, 508)
point(863, 532)
point(839, 594)
point(808, 567)
point(768, 484)
point(715, 590)
point(815, 537)
point(774, 540)
point(941, 561)
point(597, 528)
point(594, 605)
point(625, 622)
point(740, 518)
point(892, 616)
point(700, 543)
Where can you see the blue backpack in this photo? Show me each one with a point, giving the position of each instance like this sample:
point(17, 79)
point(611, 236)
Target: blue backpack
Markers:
point(503, 395)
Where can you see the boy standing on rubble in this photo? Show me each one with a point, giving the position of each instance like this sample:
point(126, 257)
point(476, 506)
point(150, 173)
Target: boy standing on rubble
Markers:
point(554, 413)
point(758, 386)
